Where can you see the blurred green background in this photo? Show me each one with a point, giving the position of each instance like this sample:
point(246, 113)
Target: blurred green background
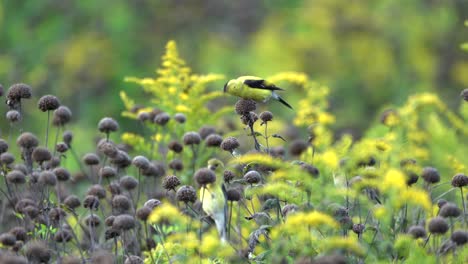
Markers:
point(371, 53)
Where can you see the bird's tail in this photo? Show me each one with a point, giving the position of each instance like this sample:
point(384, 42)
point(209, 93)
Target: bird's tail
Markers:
point(281, 100)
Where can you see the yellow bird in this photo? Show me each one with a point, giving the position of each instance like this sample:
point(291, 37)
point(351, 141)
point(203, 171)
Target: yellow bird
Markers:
point(255, 88)
point(214, 199)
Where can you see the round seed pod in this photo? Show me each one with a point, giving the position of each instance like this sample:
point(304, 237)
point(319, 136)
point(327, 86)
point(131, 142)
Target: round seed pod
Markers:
point(19, 91)
point(297, 147)
point(72, 202)
point(3, 146)
point(107, 172)
point(266, 116)
point(7, 239)
point(191, 138)
point(67, 137)
point(205, 131)
point(464, 94)
point(110, 234)
point(175, 146)
point(430, 175)
point(229, 144)
point(61, 147)
point(19, 233)
point(7, 158)
point(162, 119)
point(460, 237)
point(63, 236)
point(114, 188)
point(252, 177)
point(180, 118)
point(170, 182)
point(233, 195)
point(141, 162)
point(460, 180)
point(155, 170)
point(358, 228)
point(441, 203)
point(98, 191)
point(108, 148)
point(109, 221)
point(48, 103)
point(128, 183)
point(411, 178)
point(143, 116)
point(121, 203)
point(204, 176)
point(16, 177)
point(37, 252)
point(91, 159)
point(121, 160)
point(228, 176)
point(176, 164)
point(107, 125)
point(91, 202)
point(57, 214)
point(311, 170)
point(92, 220)
point(438, 225)
point(450, 210)
point(186, 194)
point(213, 140)
point(14, 259)
point(277, 152)
point(41, 154)
point(47, 178)
point(13, 116)
point(23, 203)
point(62, 174)
point(245, 106)
point(27, 140)
point(124, 222)
point(62, 115)
point(152, 203)
point(143, 213)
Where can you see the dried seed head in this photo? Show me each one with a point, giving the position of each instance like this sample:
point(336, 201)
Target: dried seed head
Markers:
point(121, 160)
point(109, 234)
point(450, 210)
point(228, 176)
point(16, 177)
point(191, 138)
point(430, 175)
point(245, 106)
point(67, 137)
point(128, 183)
point(460, 180)
point(252, 177)
point(108, 148)
point(13, 116)
point(47, 178)
point(186, 194)
point(176, 164)
point(91, 202)
point(19, 91)
point(310, 169)
point(114, 188)
point(441, 203)
point(7, 158)
point(180, 118)
point(19, 233)
point(91, 159)
point(7, 239)
point(107, 125)
point(57, 214)
point(3, 146)
point(213, 140)
point(152, 203)
point(162, 119)
point(175, 146)
point(124, 222)
point(411, 178)
point(204, 176)
point(417, 231)
point(170, 182)
point(92, 220)
point(98, 191)
point(229, 144)
point(48, 103)
point(464, 94)
point(205, 131)
point(61, 147)
point(72, 201)
point(107, 172)
point(27, 140)
point(121, 203)
point(23, 203)
point(141, 162)
point(358, 228)
point(62, 116)
point(63, 236)
point(37, 252)
point(460, 237)
point(109, 221)
point(438, 225)
point(62, 174)
point(41, 154)
point(143, 213)
point(143, 116)
point(297, 147)
point(249, 118)
point(233, 195)
point(266, 116)
point(155, 170)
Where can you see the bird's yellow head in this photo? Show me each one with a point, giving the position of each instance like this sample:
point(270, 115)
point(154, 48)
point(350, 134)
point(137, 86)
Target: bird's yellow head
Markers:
point(215, 165)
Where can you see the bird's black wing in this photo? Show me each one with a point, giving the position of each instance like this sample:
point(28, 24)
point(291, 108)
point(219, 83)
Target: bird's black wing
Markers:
point(261, 84)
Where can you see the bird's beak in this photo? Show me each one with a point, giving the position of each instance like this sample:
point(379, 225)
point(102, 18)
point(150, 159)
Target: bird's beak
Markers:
point(225, 87)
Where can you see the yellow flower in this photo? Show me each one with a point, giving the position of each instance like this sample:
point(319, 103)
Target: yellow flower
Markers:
point(416, 197)
point(349, 244)
point(394, 179)
point(311, 219)
point(165, 213)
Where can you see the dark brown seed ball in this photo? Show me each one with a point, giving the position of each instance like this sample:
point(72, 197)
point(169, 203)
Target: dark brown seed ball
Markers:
point(460, 180)
point(133, 260)
point(170, 182)
point(41, 154)
point(162, 119)
point(438, 225)
point(7, 239)
point(204, 176)
point(464, 94)
point(143, 213)
point(23, 203)
point(417, 232)
point(91, 159)
point(155, 170)
point(213, 140)
point(48, 103)
point(143, 116)
point(191, 138)
point(297, 147)
point(109, 234)
point(358, 228)
point(460, 237)
point(430, 175)
point(180, 118)
point(16, 177)
point(114, 188)
point(92, 220)
point(62, 174)
point(141, 162)
point(7, 158)
point(249, 118)
point(186, 194)
point(441, 203)
point(121, 203)
point(107, 172)
point(411, 178)
point(233, 195)
point(47, 178)
point(252, 177)
point(310, 169)
point(61, 147)
point(3, 146)
point(37, 252)
point(67, 137)
point(14, 259)
point(62, 116)
point(109, 221)
point(19, 233)
point(228, 176)
point(108, 148)
point(98, 191)
point(175, 146)
point(124, 222)
point(266, 116)
point(121, 160)
point(27, 140)
point(31, 211)
point(176, 164)
point(91, 202)
point(450, 210)
point(63, 236)
point(19, 91)
point(72, 201)
point(107, 125)
point(13, 116)
point(245, 106)
point(205, 131)
point(128, 183)
point(277, 152)
point(57, 214)
point(229, 144)
point(152, 203)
